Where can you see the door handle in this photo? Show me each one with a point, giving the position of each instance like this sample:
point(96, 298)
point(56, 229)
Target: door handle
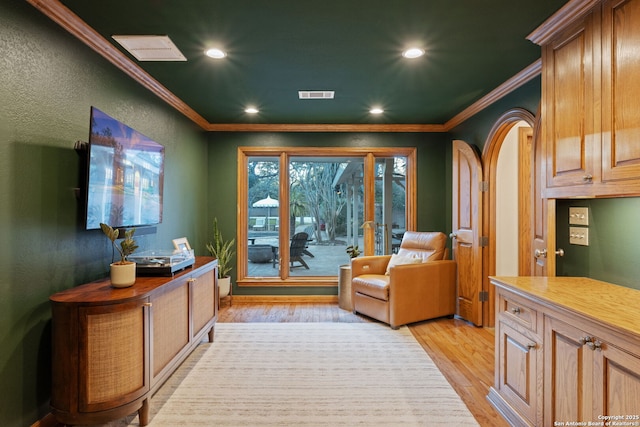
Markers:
point(543, 253)
point(540, 253)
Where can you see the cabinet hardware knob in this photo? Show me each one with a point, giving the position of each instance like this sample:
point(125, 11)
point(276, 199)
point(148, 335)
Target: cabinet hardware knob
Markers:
point(148, 304)
point(595, 345)
point(453, 235)
point(560, 252)
point(586, 339)
point(515, 310)
point(587, 178)
point(192, 280)
point(531, 345)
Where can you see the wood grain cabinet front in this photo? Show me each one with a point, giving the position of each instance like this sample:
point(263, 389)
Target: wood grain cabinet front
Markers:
point(581, 362)
point(113, 348)
point(518, 379)
point(517, 389)
point(568, 97)
point(587, 377)
point(590, 118)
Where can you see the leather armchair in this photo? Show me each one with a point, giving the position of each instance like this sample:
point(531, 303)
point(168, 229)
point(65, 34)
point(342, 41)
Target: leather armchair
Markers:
point(409, 292)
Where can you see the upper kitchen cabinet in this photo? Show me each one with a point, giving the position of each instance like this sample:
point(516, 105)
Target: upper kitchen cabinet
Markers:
point(590, 91)
point(621, 91)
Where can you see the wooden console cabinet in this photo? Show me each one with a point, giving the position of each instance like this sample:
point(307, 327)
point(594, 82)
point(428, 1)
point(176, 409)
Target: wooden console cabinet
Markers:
point(567, 350)
point(113, 348)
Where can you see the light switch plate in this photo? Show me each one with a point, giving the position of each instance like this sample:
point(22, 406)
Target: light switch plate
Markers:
point(579, 216)
point(579, 236)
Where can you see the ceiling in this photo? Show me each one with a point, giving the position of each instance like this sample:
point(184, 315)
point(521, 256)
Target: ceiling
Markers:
point(353, 47)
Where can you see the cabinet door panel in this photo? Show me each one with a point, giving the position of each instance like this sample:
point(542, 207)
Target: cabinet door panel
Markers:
point(204, 300)
point(170, 316)
point(568, 93)
point(617, 383)
point(113, 355)
point(568, 376)
point(621, 90)
point(518, 382)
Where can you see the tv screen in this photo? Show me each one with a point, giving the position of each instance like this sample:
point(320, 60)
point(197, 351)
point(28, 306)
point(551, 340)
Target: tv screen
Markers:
point(125, 175)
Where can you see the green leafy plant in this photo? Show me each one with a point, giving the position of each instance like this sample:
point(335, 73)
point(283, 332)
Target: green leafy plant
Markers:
point(127, 245)
point(353, 251)
point(222, 250)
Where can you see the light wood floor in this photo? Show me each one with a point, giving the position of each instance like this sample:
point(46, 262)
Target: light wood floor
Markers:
point(463, 352)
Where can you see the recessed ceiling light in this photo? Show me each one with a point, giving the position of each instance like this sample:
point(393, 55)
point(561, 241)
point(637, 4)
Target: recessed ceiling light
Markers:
point(414, 52)
point(215, 53)
point(251, 110)
point(376, 110)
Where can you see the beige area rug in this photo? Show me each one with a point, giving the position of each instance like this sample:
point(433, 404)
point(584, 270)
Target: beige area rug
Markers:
point(309, 374)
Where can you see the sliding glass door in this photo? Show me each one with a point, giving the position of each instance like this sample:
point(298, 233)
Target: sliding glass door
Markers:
point(301, 208)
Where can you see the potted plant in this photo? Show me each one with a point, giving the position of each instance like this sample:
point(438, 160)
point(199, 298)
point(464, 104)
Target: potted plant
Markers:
point(353, 251)
point(223, 251)
point(123, 272)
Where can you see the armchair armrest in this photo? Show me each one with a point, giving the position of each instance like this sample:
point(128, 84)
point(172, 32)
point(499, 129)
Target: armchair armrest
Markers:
point(375, 264)
point(422, 291)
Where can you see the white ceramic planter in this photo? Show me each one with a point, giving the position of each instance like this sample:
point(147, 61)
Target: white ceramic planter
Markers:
point(123, 275)
point(224, 286)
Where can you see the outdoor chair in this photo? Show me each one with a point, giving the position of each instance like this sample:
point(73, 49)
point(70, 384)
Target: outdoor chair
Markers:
point(260, 224)
point(297, 248)
point(310, 230)
point(418, 283)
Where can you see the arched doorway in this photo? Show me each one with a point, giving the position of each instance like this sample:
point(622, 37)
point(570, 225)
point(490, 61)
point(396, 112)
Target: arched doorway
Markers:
point(516, 126)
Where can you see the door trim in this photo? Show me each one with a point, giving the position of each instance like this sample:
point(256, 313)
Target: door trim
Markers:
point(490, 153)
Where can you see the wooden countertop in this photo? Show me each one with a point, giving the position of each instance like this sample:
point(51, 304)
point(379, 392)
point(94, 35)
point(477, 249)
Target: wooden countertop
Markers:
point(615, 305)
point(101, 291)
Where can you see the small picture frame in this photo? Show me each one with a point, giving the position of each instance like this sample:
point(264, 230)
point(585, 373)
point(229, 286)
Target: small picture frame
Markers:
point(181, 244)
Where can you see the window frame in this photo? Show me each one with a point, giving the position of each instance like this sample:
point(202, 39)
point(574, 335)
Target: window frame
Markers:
point(284, 154)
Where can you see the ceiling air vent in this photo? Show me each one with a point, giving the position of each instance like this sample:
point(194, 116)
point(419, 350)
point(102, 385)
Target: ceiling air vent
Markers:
point(151, 48)
point(315, 94)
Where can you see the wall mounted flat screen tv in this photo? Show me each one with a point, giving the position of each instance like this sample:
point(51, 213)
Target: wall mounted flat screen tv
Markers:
point(125, 175)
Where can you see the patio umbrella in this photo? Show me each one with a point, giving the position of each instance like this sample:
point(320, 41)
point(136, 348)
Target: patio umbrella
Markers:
point(268, 203)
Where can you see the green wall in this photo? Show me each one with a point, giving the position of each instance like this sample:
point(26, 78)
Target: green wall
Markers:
point(613, 254)
point(475, 130)
point(49, 81)
point(433, 158)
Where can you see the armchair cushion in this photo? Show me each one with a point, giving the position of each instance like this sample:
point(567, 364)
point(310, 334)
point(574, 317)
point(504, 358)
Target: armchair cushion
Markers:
point(374, 285)
point(429, 246)
point(401, 260)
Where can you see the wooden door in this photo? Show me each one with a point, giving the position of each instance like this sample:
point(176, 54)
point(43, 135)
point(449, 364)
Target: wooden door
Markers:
point(467, 224)
point(539, 221)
